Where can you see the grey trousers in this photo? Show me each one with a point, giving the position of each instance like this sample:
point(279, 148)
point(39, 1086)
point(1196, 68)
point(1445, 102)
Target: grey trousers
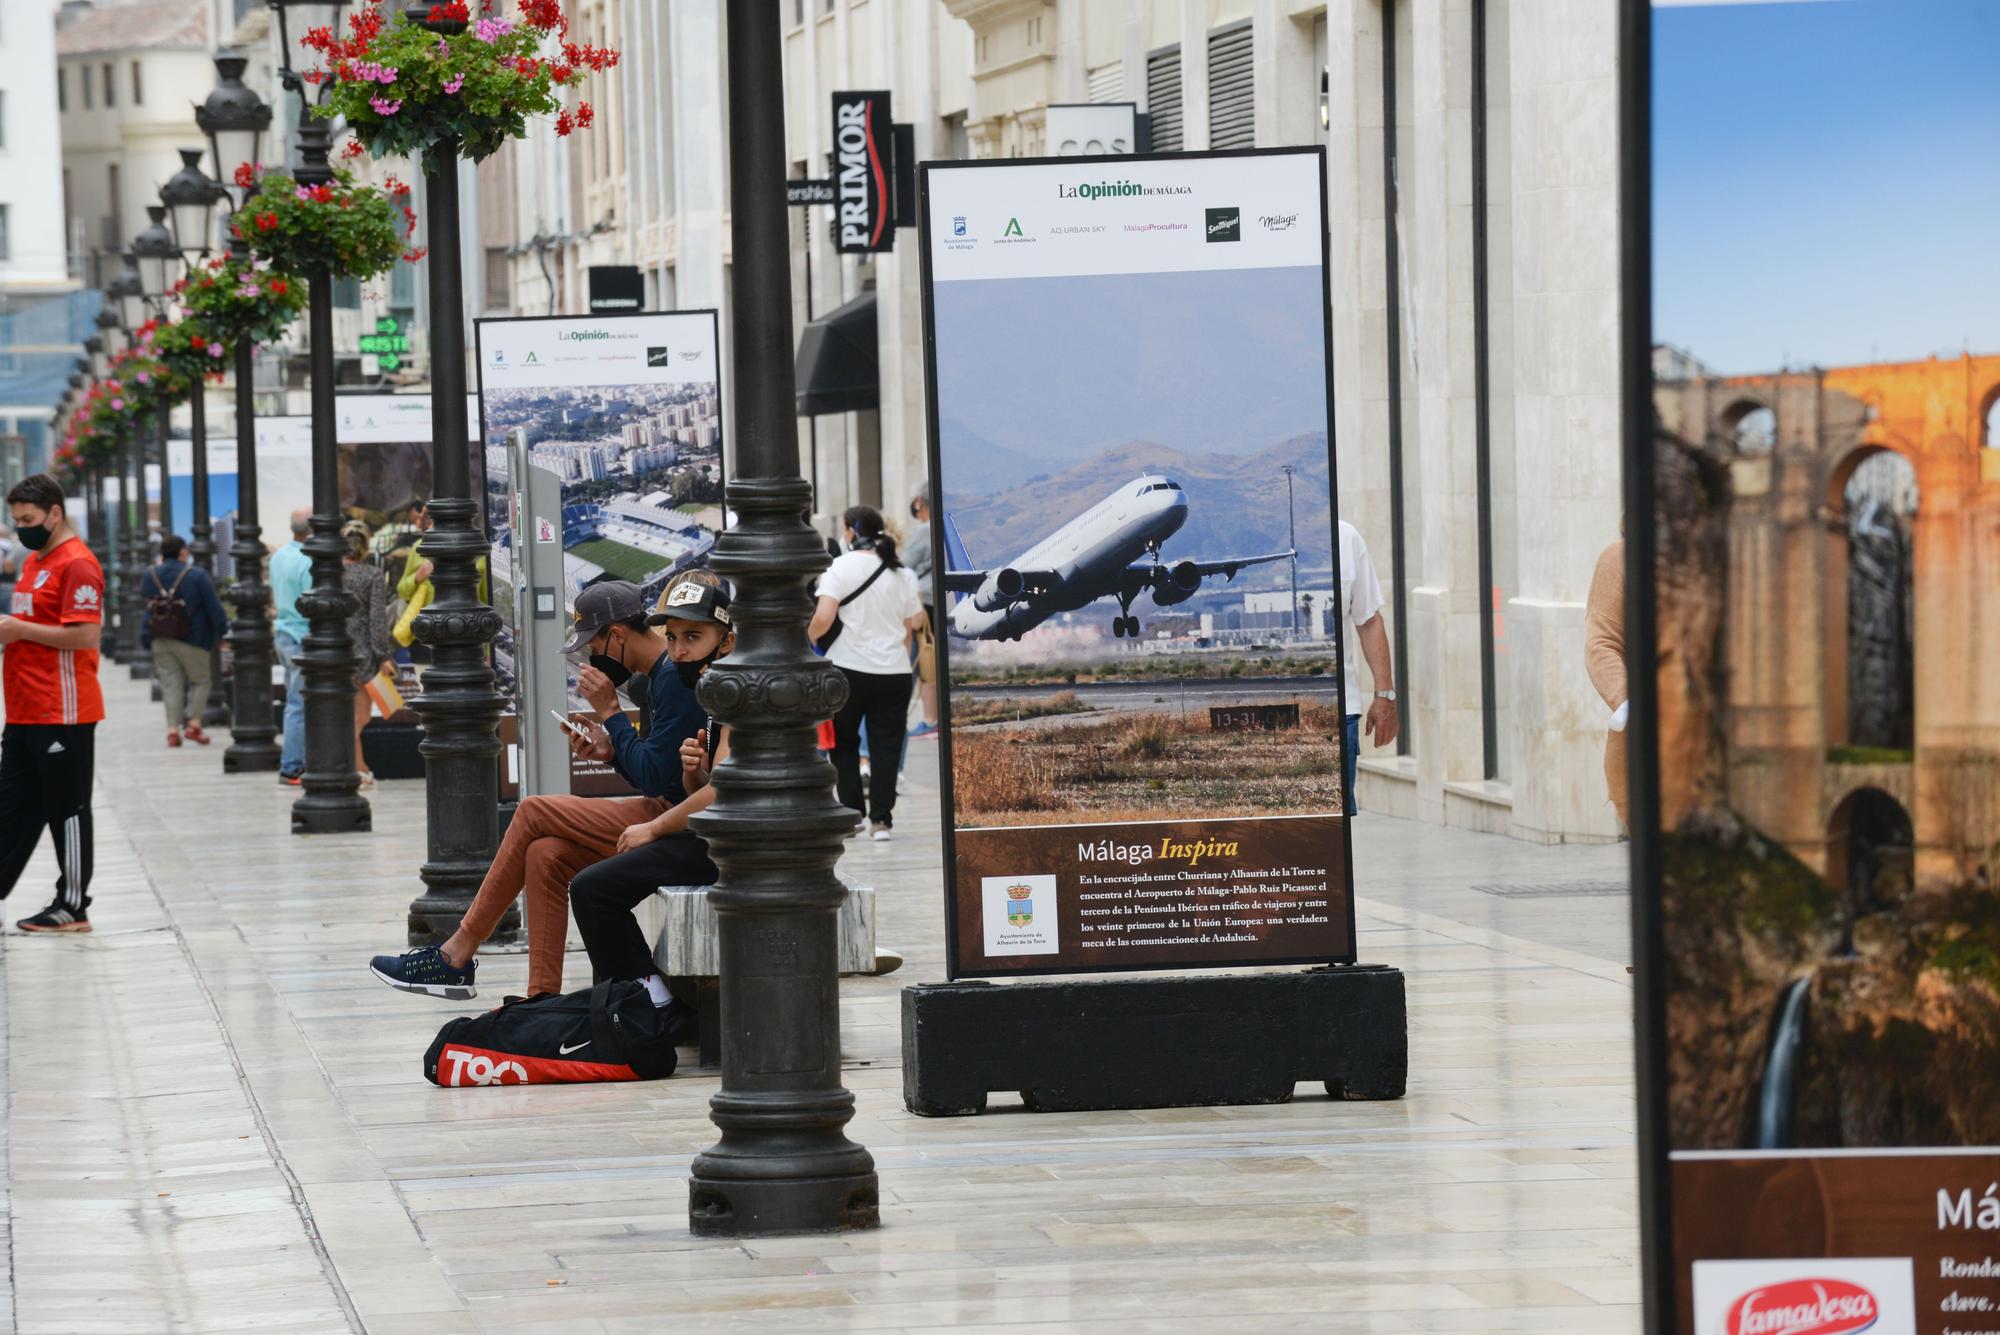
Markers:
point(182, 670)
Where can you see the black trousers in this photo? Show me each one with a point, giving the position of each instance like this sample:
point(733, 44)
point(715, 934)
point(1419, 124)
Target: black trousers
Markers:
point(45, 778)
point(603, 895)
point(884, 700)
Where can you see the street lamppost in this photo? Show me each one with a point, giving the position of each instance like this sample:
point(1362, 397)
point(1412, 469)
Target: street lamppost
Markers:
point(459, 706)
point(234, 118)
point(152, 258)
point(190, 199)
point(784, 1163)
point(133, 312)
point(131, 506)
point(331, 801)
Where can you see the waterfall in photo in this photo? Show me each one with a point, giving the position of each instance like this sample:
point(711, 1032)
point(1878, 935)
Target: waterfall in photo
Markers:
point(1781, 1066)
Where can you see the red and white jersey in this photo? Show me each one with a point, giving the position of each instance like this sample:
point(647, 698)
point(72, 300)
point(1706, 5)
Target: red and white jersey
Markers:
point(58, 586)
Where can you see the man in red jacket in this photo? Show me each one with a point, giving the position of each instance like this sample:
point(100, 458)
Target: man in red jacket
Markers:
point(48, 668)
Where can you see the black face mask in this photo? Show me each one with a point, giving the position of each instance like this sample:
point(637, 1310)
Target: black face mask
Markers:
point(33, 536)
point(612, 668)
point(690, 671)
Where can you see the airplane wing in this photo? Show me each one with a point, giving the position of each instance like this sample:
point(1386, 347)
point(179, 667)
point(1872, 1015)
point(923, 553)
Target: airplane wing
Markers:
point(963, 581)
point(1227, 568)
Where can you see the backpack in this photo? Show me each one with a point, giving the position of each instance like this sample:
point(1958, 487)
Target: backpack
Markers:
point(171, 618)
point(612, 1031)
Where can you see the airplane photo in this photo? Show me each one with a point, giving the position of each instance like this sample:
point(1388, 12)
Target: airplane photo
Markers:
point(1111, 550)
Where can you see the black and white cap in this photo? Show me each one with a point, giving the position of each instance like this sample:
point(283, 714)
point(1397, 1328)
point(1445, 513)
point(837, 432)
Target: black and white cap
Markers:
point(693, 601)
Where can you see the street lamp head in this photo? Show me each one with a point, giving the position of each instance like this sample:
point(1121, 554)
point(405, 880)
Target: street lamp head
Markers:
point(158, 257)
point(234, 118)
point(99, 362)
point(110, 332)
point(126, 292)
point(190, 198)
point(296, 20)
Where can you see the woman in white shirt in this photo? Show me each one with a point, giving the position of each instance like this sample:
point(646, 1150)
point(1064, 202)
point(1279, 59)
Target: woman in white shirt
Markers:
point(874, 601)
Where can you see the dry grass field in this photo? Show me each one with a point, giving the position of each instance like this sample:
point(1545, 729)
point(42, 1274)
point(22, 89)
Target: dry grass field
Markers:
point(1135, 767)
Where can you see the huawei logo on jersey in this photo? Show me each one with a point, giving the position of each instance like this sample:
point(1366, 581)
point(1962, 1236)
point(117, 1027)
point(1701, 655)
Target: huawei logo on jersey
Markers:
point(86, 595)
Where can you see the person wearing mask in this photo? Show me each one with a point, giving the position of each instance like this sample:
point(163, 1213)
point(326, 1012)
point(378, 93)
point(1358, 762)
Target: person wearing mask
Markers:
point(367, 630)
point(48, 675)
point(182, 623)
point(291, 575)
point(874, 601)
point(917, 556)
point(553, 837)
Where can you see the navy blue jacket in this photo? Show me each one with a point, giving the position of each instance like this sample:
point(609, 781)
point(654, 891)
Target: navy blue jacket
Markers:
point(652, 763)
point(207, 622)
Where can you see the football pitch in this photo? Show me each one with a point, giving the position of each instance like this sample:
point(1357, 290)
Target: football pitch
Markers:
point(620, 561)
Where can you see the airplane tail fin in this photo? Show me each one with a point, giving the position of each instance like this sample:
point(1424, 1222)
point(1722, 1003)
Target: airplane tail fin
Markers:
point(955, 557)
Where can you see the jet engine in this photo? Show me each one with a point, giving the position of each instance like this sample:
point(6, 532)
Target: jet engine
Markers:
point(1175, 583)
point(999, 590)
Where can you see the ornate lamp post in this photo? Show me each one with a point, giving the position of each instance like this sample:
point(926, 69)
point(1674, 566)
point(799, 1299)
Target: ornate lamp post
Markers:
point(190, 199)
point(784, 1163)
point(459, 706)
point(152, 259)
point(331, 801)
point(234, 118)
point(131, 505)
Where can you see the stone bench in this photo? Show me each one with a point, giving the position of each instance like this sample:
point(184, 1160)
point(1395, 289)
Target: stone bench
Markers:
point(688, 950)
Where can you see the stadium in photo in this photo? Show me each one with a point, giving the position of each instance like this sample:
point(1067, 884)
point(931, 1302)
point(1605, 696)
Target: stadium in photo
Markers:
point(642, 539)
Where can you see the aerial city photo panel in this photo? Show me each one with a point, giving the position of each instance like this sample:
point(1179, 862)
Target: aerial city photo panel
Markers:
point(1139, 601)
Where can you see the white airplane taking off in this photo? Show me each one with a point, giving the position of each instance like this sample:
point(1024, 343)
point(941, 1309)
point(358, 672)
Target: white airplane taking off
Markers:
point(1111, 550)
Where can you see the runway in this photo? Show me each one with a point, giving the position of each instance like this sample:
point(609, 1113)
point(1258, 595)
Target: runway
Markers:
point(1132, 696)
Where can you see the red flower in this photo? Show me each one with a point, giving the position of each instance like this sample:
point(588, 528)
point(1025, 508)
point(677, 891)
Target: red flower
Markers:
point(278, 287)
point(352, 149)
point(454, 11)
point(565, 123)
point(545, 15)
point(266, 221)
point(584, 115)
point(528, 66)
point(560, 73)
point(414, 255)
point(246, 175)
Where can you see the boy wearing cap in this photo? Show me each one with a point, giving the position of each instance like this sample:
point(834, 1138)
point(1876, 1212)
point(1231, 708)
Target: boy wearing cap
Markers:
point(552, 838)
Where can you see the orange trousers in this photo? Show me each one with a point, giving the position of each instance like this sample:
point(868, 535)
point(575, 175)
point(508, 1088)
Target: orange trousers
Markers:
point(548, 842)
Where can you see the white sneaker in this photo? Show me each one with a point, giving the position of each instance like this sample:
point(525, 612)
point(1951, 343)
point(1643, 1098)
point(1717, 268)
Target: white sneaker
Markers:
point(879, 833)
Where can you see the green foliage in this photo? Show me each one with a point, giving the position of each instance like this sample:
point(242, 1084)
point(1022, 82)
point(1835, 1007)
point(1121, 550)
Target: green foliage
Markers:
point(340, 227)
point(238, 298)
point(189, 348)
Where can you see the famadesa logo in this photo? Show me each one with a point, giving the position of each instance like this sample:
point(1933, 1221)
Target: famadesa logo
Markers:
point(1803, 1307)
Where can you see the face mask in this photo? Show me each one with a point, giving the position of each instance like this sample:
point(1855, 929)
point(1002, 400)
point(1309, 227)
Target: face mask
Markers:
point(690, 671)
point(612, 668)
point(33, 536)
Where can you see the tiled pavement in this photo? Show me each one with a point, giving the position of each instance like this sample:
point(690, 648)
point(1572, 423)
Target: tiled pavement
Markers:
point(217, 1120)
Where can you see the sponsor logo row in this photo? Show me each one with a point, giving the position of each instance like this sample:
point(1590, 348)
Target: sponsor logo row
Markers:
point(1218, 224)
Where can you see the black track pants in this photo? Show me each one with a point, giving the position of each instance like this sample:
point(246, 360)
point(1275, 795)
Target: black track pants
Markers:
point(45, 777)
point(603, 895)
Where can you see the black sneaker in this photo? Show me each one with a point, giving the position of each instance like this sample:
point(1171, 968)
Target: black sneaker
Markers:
point(56, 918)
point(425, 970)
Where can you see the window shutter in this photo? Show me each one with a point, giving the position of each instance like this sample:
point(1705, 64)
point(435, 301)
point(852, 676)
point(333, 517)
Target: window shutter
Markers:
point(1163, 98)
point(1107, 82)
point(1232, 115)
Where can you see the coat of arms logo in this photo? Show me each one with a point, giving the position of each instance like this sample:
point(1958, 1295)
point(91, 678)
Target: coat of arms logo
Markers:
point(1020, 908)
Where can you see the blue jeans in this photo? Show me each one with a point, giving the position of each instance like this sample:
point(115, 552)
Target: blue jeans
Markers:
point(1350, 754)
point(292, 755)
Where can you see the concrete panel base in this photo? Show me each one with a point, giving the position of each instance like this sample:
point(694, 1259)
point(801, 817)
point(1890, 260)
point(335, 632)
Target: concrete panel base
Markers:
point(1155, 1042)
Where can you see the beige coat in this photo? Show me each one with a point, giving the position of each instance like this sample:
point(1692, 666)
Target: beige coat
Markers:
point(1604, 658)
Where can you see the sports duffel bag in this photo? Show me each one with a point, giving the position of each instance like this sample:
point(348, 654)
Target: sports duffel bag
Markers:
point(612, 1031)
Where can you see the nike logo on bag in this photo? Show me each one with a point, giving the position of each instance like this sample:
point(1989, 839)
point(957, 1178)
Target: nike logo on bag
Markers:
point(55, 747)
point(565, 1051)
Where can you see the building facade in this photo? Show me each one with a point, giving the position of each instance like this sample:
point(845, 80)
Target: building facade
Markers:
point(1471, 214)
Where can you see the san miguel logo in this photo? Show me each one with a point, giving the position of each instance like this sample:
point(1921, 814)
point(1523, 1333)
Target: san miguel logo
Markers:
point(1803, 1307)
point(861, 157)
point(1020, 908)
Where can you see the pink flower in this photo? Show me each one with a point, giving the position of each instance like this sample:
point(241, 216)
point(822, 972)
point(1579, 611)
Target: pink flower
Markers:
point(117, 405)
point(215, 351)
point(491, 30)
point(303, 195)
point(385, 107)
point(454, 83)
point(145, 379)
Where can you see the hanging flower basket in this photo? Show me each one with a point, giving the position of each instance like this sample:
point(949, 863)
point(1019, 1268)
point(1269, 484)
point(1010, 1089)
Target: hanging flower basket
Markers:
point(341, 227)
point(190, 349)
point(238, 298)
point(403, 86)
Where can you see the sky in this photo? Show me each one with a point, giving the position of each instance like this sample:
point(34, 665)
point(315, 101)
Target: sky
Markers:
point(1051, 369)
point(1826, 181)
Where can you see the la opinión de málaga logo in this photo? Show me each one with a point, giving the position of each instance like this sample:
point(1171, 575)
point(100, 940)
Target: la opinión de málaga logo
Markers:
point(1803, 1307)
point(1117, 190)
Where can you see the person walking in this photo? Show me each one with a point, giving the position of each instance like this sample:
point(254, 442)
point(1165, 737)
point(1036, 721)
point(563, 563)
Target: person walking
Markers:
point(873, 600)
point(48, 676)
point(1361, 607)
point(183, 621)
point(291, 575)
point(367, 630)
point(1604, 661)
point(917, 556)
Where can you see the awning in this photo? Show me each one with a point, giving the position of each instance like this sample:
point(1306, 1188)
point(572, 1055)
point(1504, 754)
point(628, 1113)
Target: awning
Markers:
point(836, 370)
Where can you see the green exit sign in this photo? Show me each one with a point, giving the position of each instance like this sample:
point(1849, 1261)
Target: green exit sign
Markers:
point(388, 344)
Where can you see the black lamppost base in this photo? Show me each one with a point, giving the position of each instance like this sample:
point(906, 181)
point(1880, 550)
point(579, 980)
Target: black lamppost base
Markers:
point(750, 1208)
point(433, 918)
point(142, 669)
point(346, 813)
point(251, 758)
